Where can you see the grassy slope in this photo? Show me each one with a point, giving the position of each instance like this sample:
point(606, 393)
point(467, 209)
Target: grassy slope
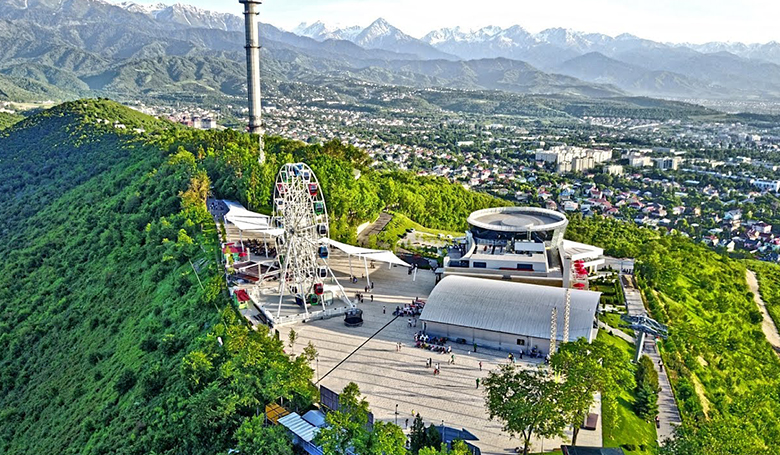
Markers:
point(396, 228)
point(624, 428)
point(717, 357)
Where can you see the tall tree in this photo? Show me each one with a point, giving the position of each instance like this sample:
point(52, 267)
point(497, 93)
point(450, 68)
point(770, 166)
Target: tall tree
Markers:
point(254, 438)
point(528, 403)
point(587, 368)
point(348, 429)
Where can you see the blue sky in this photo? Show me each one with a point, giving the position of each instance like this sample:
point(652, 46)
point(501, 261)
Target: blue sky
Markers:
point(694, 21)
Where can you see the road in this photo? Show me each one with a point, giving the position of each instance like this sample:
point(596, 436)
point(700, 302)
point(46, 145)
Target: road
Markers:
point(668, 413)
point(768, 325)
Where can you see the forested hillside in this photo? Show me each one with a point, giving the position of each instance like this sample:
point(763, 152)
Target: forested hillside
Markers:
point(108, 344)
point(725, 374)
point(7, 119)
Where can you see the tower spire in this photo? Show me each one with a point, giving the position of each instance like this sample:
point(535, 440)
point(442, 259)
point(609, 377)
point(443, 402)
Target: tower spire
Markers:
point(251, 15)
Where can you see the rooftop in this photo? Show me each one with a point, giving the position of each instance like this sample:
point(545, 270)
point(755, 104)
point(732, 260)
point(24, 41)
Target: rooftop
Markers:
point(518, 219)
point(509, 307)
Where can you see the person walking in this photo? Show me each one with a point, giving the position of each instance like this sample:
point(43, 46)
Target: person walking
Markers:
point(477, 382)
point(372, 297)
point(384, 310)
point(480, 365)
point(406, 424)
point(452, 359)
point(410, 322)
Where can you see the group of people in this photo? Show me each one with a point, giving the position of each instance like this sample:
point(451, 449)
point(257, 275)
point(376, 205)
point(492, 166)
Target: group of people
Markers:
point(429, 363)
point(534, 353)
point(410, 309)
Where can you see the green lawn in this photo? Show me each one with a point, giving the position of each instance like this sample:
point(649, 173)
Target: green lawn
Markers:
point(623, 428)
point(613, 320)
point(392, 233)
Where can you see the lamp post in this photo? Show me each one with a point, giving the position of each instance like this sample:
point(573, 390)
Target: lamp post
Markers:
point(396, 414)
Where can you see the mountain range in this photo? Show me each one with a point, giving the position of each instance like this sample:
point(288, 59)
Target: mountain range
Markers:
point(53, 49)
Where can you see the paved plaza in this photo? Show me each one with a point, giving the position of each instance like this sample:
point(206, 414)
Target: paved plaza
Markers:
point(392, 379)
point(388, 377)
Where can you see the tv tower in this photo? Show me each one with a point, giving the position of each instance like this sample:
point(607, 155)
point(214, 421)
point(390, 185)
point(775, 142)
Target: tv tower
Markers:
point(251, 14)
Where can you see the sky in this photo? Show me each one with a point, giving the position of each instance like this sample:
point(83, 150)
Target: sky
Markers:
point(678, 21)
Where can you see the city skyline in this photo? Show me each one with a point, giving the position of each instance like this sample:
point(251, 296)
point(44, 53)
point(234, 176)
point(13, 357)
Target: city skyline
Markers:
point(688, 21)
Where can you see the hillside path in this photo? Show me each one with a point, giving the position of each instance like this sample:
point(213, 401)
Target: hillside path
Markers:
point(668, 413)
point(768, 326)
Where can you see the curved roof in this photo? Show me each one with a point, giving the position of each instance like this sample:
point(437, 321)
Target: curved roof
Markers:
point(518, 219)
point(509, 307)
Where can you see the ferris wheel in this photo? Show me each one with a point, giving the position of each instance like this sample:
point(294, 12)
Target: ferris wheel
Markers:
point(302, 250)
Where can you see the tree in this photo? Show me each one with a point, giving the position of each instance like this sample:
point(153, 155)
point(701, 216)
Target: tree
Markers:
point(346, 426)
point(417, 437)
point(528, 403)
point(587, 368)
point(386, 439)
point(646, 375)
point(719, 436)
point(310, 353)
point(256, 439)
point(458, 448)
point(292, 337)
point(348, 429)
point(421, 437)
point(646, 405)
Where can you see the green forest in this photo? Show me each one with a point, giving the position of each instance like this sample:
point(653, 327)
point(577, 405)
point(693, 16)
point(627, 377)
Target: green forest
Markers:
point(108, 342)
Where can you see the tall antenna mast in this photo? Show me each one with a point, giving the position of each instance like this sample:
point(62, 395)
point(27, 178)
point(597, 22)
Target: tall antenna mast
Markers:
point(251, 14)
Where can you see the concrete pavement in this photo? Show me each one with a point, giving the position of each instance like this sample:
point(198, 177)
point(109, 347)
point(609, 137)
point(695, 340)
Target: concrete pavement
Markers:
point(388, 377)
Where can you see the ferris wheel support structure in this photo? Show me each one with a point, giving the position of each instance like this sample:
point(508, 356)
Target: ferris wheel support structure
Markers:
point(302, 250)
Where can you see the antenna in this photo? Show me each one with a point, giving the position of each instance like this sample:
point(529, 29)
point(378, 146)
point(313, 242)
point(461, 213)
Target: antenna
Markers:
point(252, 47)
point(553, 331)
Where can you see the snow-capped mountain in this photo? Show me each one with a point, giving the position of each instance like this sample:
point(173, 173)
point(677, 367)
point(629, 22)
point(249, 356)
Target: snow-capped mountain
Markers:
point(321, 32)
point(187, 15)
point(379, 35)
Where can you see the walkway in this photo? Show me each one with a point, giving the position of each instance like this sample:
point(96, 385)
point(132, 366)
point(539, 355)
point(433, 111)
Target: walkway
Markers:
point(375, 228)
point(768, 326)
point(668, 413)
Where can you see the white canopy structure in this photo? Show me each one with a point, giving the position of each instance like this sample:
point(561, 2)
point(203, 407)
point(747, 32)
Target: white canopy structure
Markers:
point(366, 254)
point(248, 221)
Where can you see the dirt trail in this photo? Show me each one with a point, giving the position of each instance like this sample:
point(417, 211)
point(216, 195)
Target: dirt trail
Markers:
point(768, 326)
